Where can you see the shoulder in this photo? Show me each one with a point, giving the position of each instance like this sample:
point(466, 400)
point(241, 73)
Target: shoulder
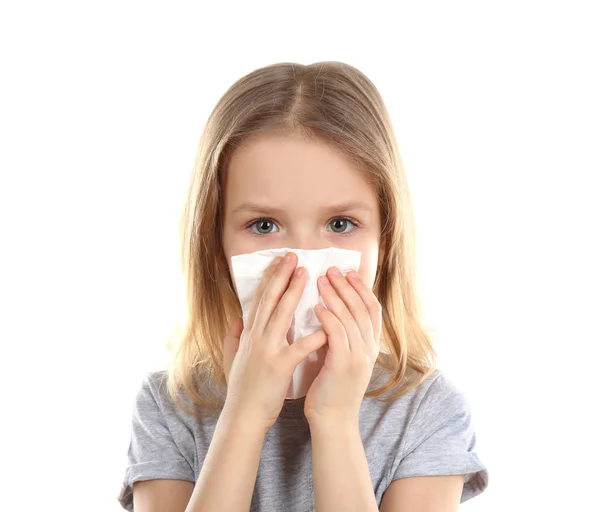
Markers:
point(154, 393)
point(435, 403)
point(153, 383)
point(431, 391)
point(152, 390)
point(162, 445)
point(429, 431)
point(433, 406)
point(438, 395)
point(435, 385)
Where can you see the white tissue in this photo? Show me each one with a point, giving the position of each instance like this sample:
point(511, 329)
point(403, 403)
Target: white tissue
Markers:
point(248, 270)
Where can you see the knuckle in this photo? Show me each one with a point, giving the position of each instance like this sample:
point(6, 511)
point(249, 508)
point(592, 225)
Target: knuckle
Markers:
point(362, 312)
point(362, 361)
point(339, 330)
point(270, 296)
point(281, 269)
point(282, 314)
point(376, 306)
point(274, 266)
point(299, 283)
point(374, 354)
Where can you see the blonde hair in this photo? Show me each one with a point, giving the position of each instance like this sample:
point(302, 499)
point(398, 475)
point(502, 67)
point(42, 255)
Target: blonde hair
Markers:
point(338, 104)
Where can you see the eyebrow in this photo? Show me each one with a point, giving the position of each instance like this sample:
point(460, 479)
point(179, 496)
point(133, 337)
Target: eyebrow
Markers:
point(269, 210)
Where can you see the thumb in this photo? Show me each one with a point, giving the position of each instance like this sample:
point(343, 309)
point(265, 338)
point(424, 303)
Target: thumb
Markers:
point(305, 346)
point(231, 344)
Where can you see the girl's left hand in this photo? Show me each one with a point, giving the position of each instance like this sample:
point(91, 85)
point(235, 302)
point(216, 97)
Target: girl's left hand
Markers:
point(352, 322)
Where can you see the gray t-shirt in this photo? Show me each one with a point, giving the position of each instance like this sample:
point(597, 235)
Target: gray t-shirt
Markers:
point(427, 431)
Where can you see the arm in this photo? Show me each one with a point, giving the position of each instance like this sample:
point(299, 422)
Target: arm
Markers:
point(226, 481)
point(424, 494)
point(352, 320)
point(258, 363)
point(341, 475)
point(227, 478)
point(161, 495)
point(342, 480)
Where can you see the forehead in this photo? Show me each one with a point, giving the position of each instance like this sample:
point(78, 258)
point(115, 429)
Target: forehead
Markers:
point(292, 170)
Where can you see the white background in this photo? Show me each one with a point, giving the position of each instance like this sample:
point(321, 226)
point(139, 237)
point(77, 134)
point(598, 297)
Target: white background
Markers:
point(496, 109)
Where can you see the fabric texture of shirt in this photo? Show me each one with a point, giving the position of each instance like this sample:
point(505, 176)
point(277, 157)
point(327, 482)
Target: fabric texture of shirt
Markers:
point(427, 431)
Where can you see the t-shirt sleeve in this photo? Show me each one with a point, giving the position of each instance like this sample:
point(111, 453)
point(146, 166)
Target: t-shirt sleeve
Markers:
point(152, 452)
point(441, 440)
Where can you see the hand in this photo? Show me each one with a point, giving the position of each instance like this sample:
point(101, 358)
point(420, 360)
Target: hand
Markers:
point(352, 321)
point(258, 360)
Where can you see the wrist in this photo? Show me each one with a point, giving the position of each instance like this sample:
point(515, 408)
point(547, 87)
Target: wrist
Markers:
point(333, 425)
point(243, 421)
point(333, 437)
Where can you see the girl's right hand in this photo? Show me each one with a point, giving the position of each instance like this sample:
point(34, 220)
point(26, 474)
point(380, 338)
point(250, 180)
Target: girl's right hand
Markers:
point(258, 360)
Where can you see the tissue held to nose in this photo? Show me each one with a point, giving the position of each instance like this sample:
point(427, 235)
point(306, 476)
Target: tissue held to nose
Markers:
point(248, 270)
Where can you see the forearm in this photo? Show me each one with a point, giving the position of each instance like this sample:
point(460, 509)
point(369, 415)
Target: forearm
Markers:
point(228, 475)
point(341, 477)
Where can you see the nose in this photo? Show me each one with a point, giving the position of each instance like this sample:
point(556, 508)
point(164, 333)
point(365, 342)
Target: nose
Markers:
point(307, 242)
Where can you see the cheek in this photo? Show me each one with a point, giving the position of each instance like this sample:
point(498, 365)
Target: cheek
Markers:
point(234, 244)
point(368, 268)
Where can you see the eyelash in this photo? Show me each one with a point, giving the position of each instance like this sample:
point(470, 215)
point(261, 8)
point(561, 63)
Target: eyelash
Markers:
point(261, 219)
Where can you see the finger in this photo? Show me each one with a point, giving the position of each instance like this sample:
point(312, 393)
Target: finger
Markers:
point(337, 339)
point(354, 303)
point(271, 269)
point(274, 290)
point(336, 305)
point(282, 317)
point(370, 300)
point(231, 344)
point(301, 348)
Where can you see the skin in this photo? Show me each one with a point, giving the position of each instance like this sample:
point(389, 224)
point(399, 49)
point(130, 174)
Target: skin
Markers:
point(303, 180)
point(297, 188)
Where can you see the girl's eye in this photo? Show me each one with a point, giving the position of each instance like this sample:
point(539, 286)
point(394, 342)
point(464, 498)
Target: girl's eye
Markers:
point(340, 224)
point(263, 226)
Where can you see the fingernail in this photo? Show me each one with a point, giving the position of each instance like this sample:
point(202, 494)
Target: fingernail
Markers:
point(335, 271)
point(277, 261)
point(299, 272)
point(324, 281)
point(353, 274)
point(288, 257)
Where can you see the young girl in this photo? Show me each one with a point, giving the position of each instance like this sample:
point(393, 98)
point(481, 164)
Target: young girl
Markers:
point(301, 157)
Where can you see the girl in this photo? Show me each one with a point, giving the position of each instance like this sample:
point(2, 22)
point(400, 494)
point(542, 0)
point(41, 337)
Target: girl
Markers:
point(302, 157)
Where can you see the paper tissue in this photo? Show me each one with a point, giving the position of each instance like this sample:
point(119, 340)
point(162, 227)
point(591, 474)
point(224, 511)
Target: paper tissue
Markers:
point(248, 271)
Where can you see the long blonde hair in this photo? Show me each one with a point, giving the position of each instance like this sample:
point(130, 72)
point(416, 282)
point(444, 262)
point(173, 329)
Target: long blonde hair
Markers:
point(336, 103)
